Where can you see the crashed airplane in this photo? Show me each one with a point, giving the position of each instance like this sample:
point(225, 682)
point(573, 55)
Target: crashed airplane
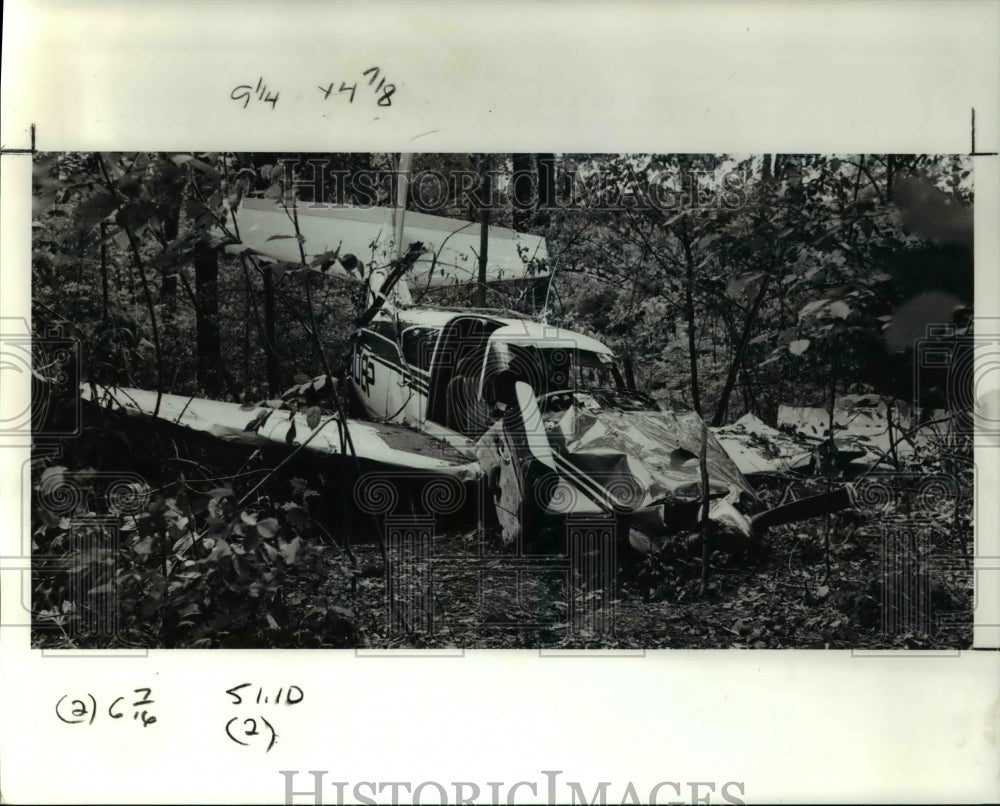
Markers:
point(538, 420)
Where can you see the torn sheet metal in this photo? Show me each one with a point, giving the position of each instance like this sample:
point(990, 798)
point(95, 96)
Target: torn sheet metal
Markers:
point(756, 447)
point(393, 445)
point(865, 427)
point(654, 451)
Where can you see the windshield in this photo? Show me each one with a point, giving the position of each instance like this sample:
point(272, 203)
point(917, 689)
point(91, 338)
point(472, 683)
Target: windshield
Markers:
point(557, 368)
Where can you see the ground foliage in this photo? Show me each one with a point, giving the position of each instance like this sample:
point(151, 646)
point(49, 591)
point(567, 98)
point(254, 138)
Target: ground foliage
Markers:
point(814, 277)
point(196, 554)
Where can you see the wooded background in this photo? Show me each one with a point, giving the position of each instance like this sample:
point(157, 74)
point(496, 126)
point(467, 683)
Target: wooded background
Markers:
point(803, 275)
point(725, 283)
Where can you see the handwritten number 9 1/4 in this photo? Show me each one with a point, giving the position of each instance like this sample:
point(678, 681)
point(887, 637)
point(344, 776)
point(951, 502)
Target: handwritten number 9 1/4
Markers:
point(244, 92)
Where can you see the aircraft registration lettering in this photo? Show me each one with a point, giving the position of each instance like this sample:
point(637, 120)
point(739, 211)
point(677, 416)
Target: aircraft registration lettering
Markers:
point(365, 372)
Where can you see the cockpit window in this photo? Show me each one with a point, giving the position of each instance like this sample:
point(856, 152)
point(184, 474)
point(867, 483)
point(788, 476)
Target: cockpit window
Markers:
point(556, 368)
point(418, 346)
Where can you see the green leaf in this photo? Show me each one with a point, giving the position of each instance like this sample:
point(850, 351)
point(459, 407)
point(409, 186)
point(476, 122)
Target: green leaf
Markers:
point(813, 307)
point(290, 550)
point(183, 543)
point(94, 210)
point(135, 215)
point(196, 210)
point(738, 286)
point(325, 259)
point(268, 527)
point(130, 187)
point(296, 515)
point(798, 346)
point(839, 309)
point(313, 416)
point(197, 164)
point(220, 551)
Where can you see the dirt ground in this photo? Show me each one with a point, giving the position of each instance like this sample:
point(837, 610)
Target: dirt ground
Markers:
point(458, 595)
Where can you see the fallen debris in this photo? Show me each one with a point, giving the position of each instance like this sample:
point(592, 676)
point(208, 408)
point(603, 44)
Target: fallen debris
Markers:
point(756, 447)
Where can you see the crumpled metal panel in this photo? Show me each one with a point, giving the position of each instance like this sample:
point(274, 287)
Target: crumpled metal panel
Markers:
point(658, 449)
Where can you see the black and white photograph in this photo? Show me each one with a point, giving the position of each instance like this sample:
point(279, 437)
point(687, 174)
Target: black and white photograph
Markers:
point(499, 403)
point(503, 400)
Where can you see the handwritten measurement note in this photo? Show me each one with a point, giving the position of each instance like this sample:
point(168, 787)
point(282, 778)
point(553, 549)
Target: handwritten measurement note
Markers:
point(373, 84)
point(256, 729)
point(83, 710)
point(252, 723)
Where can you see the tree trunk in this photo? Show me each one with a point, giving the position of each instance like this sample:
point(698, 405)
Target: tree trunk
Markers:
point(734, 368)
point(523, 182)
point(171, 225)
point(104, 272)
point(270, 346)
point(689, 315)
point(208, 343)
point(484, 224)
point(629, 368)
point(546, 181)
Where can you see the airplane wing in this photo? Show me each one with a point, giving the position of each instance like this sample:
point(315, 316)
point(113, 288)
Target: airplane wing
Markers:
point(267, 228)
point(391, 445)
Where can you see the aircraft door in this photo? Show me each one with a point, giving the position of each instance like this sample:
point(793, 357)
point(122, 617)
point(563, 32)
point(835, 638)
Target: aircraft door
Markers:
point(455, 390)
point(378, 372)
